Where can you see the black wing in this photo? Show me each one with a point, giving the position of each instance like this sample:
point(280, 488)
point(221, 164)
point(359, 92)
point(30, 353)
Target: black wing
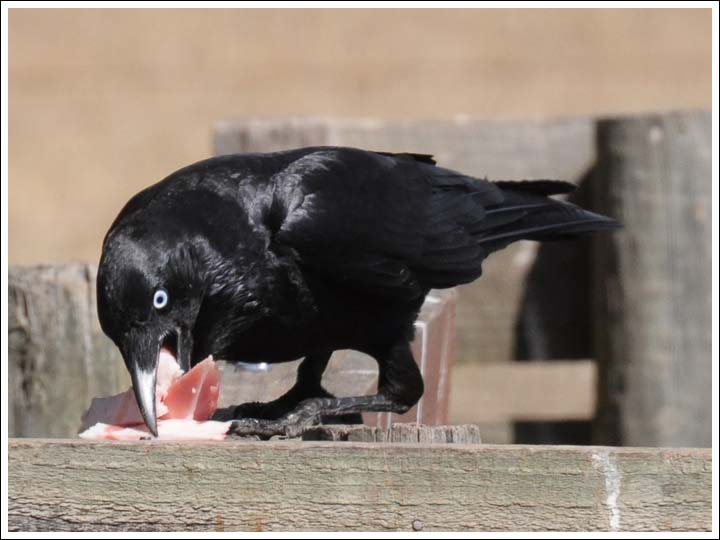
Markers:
point(383, 222)
point(398, 224)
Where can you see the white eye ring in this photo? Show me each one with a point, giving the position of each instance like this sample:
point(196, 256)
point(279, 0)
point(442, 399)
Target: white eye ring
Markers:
point(160, 299)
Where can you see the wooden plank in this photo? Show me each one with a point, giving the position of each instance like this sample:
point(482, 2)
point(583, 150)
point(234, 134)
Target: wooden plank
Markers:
point(359, 433)
point(489, 308)
point(654, 297)
point(524, 391)
point(59, 358)
point(295, 485)
point(397, 433)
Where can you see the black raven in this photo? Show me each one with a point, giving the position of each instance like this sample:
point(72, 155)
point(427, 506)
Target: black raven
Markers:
point(273, 257)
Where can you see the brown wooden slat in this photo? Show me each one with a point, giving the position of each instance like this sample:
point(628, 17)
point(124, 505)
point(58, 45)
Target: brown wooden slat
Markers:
point(295, 485)
point(552, 390)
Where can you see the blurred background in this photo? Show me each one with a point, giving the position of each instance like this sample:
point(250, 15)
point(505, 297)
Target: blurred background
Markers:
point(106, 102)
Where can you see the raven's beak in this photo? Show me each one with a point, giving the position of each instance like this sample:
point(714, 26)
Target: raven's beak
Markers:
point(140, 353)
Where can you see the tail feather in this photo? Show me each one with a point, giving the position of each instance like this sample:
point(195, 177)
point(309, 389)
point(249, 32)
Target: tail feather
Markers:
point(537, 187)
point(468, 219)
point(539, 217)
point(551, 231)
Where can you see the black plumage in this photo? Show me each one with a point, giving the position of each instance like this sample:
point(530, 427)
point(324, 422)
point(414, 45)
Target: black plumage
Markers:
point(273, 257)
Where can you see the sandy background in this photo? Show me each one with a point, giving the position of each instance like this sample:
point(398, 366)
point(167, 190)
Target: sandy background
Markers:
point(105, 102)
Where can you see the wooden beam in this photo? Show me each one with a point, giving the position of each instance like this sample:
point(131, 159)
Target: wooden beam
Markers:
point(296, 485)
point(523, 391)
point(59, 358)
point(396, 433)
point(654, 289)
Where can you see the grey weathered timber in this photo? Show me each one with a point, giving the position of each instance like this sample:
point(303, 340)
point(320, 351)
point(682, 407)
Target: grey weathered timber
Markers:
point(655, 318)
point(297, 485)
point(558, 149)
point(59, 358)
point(397, 433)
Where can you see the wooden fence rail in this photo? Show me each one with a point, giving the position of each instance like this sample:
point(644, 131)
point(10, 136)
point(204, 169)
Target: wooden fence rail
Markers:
point(300, 485)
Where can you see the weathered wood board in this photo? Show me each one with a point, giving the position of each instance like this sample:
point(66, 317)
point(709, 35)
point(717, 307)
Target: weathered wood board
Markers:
point(524, 391)
point(59, 358)
point(341, 486)
point(396, 433)
point(654, 300)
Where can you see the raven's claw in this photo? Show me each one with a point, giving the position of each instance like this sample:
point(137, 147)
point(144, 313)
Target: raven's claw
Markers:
point(306, 415)
point(271, 410)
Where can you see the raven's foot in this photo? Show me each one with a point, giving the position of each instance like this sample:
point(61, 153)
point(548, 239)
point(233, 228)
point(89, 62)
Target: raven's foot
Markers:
point(311, 412)
point(305, 415)
point(278, 408)
point(251, 410)
point(270, 410)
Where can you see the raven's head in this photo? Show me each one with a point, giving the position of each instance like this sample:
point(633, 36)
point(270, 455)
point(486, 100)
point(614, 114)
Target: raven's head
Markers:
point(149, 293)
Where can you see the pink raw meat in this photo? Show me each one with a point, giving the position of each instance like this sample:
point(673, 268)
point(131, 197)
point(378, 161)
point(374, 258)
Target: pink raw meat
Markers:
point(196, 394)
point(168, 372)
point(119, 410)
point(209, 430)
point(122, 409)
point(184, 403)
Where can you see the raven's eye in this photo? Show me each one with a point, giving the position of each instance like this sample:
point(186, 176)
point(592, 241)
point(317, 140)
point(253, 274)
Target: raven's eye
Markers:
point(160, 299)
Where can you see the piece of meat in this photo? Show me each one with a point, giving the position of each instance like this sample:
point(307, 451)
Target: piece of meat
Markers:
point(122, 409)
point(119, 410)
point(184, 404)
point(195, 395)
point(169, 429)
point(168, 371)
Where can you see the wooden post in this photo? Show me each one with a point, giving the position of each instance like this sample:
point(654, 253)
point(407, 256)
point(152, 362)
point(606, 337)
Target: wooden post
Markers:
point(59, 358)
point(354, 486)
point(654, 280)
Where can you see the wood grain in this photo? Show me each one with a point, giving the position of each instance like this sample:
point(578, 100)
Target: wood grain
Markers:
point(396, 433)
point(59, 358)
point(654, 297)
point(295, 485)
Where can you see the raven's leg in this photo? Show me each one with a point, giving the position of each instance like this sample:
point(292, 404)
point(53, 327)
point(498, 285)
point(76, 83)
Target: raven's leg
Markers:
point(307, 385)
point(400, 387)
